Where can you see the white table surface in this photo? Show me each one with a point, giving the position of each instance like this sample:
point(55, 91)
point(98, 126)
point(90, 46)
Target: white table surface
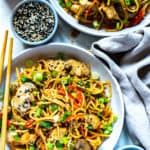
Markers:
point(63, 34)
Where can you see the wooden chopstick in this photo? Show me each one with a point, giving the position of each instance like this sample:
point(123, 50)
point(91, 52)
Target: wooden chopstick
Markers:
point(6, 96)
point(3, 54)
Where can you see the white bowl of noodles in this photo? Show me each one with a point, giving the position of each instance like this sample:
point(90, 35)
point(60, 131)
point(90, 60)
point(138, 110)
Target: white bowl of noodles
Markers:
point(51, 50)
point(145, 21)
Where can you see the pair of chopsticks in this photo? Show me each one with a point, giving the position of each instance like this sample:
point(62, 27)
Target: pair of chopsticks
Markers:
point(7, 85)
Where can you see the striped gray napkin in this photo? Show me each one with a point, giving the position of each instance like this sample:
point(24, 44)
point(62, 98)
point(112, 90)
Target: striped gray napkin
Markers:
point(128, 58)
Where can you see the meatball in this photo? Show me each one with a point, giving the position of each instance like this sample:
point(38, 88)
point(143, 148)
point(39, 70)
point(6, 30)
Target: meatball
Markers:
point(77, 68)
point(25, 88)
point(23, 98)
point(93, 120)
point(82, 145)
point(57, 65)
point(22, 104)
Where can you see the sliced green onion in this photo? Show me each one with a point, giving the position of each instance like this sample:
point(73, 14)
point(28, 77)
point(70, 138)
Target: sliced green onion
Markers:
point(24, 79)
point(31, 147)
point(38, 112)
point(62, 3)
point(16, 137)
point(96, 24)
point(12, 127)
point(65, 116)
point(50, 146)
point(117, 25)
point(66, 80)
point(87, 84)
point(54, 74)
point(68, 4)
point(107, 132)
point(129, 2)
point(37, 76)
point(59, 144)
point(103, 100)
point(106, 100)
point(45, 124)
point(53, 107)
point(64, 140)
point(90, 127)
point(80, 82)
point(108, 129)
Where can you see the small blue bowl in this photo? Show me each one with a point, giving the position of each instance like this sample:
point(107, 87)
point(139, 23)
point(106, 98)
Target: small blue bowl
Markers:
point(130, 147)
point(49, 36)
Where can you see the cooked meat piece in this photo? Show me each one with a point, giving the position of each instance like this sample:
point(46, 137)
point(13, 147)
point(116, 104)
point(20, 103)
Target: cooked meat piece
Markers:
point(23, 103)
point(23, 98)
point(25, 88)
point(93, 120)
point(109, 11)
point(82, 145)
point(77, 68)
point(56, 65)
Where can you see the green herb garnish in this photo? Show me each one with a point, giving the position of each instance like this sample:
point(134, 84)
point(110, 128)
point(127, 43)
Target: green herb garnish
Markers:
point(65, 116)
point(45, 124)
point(96, 24)
point(54, 74)
point(53, 107)
point(103, 100)
point(90, 127)
point(37, 76)
point(59, 144)
point(38, 112)
point(24, 79)
point(50, 146)
point(31, 147)
point(66, 80)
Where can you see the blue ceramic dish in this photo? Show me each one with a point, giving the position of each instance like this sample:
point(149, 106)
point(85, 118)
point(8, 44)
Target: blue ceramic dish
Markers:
point(51, 34)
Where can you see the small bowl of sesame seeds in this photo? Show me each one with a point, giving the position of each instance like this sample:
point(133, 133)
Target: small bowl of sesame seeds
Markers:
point(34, 22)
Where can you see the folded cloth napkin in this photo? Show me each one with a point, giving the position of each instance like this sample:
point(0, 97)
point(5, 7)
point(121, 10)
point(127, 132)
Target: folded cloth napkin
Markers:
point(128, 58)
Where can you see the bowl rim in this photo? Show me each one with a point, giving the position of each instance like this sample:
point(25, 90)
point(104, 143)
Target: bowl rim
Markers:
point(49, 36)
point(130, 146)
point(28, 50)
point(98, 33)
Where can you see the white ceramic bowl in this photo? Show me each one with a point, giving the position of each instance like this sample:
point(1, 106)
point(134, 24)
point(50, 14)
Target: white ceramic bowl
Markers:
point(130, 147)
point(50, 50)
point(74, 23)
